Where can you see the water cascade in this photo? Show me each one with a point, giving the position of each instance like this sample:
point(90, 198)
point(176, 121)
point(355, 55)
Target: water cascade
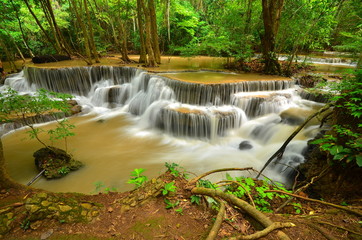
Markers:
point(199, 126)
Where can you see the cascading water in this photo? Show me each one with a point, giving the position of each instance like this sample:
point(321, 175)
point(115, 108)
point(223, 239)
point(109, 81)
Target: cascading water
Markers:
point(199, 126)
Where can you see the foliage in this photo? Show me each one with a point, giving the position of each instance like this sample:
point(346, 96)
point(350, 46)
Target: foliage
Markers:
point(258, 190)
point(195, 199)
point(175, 170)
point(100, 187)
point(137, 178)
point(169, 187)
point(171, 204)
point(344, 141)
point(15, 107)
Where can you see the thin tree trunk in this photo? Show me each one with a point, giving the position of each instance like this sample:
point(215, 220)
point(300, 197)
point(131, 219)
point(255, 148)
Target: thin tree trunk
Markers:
point(84, 31)
point(91, 35)
point(154, 34)
point(57, 48)
point(150, 51)
point(143, 57)
point(248, 17)
point(21, 30)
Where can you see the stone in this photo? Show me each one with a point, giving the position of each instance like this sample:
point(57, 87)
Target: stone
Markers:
point(45, 203)
point(47, 234)
point(42, 195)
point(64, 208)
point(245, 145)
point(86, 205)
point(32, 208)
point(35, 225)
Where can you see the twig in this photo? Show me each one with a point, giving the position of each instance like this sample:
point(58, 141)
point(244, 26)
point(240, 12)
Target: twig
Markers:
point(323, 231)
point(340, 227)
point(194, 180)
point(14, 205)
point(253, 212)
point(303, 188)
point(237, 183)
point(318, 201)
point(280, 151)
point(36, 177)
point(217, 224)
point(264, 232)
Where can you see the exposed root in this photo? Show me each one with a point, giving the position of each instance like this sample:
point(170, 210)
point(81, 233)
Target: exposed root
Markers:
point(253, 212)
point(318, 201)
point(228, 182)
point(264, 232)
point(323, 231)
point(339, 227)
point(217, 224)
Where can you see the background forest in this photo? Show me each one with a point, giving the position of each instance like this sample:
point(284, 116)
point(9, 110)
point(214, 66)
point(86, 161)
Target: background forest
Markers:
point(227, 28)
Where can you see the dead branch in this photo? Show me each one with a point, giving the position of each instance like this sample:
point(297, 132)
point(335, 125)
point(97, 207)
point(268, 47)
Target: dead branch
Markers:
point(235, 182)
point(323, 231)
point(14, 205)
point(217, 224)
point(280, 151)
point(318, 201)
point(253, 212)
point(340, 227)
point(264, 232)
point(313, 179)
point(194, 180)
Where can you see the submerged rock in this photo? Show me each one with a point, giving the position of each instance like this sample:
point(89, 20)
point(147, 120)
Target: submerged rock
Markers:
point(245, 145)
point(56, 162)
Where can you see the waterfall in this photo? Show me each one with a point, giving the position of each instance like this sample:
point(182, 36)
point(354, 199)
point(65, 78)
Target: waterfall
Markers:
point(210, 121)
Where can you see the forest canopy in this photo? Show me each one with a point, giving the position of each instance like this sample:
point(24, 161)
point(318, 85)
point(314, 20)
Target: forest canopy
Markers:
point(228, 28)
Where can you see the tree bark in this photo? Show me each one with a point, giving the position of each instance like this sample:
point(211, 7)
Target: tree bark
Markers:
point(154, 34)
point(143, 58)
point(151, 61)
point(92, 45)
point(272, 10)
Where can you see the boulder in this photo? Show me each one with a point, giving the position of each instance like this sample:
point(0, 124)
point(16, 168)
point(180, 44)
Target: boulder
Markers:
point(245, 145)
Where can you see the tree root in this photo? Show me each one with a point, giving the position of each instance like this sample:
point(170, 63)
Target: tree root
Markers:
point(264, 232)
point(194, 180)
point(253, 212)
point(318, 201)
point(339, 227)
point(279, 153)
point(228, 182)
point(217, 224)
point(323, 231)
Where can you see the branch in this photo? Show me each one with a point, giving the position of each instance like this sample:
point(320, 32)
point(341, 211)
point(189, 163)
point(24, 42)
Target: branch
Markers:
point(280, 151)
point(253, 212)
point(264, 232)
point(318, 201)
point(194, 180)
point(217, 224)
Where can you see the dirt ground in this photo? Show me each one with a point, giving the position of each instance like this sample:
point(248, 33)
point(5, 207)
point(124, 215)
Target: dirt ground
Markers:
point(148, 218)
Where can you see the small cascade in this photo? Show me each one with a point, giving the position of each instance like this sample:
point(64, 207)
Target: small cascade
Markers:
point(205, 122)
point(321, 60)
point(262, 103)
point(217, 94)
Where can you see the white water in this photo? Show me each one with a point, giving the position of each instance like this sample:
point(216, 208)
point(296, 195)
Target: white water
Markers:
point(139, 123)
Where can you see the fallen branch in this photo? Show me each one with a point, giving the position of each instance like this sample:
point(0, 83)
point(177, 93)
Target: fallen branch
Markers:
point(318, 201)
point(253, 212)
point(323, 231)
point(264, 232)
point(194, 180)
point(280, 151)
point(340, 227)
point(217, 224)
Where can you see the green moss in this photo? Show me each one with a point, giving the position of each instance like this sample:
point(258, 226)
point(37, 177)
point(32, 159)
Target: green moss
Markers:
point(148, 226)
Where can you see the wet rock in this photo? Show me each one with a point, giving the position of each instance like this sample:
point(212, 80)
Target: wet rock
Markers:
point(64, 208)
point(75, 109)
point(56, 162)
point(47, 234)
point(245, 145)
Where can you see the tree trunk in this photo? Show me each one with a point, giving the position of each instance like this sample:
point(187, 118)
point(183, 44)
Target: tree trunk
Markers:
point(248, 17)
point(143, 58)
point(56, 47)
point(92, 45)
point(88, 58)
point(21, 30)
point(151, 62)
point(272, 10)
point(154, 34)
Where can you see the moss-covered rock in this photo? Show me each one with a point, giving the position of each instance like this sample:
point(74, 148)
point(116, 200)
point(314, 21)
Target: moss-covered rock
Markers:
point(56, 162)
